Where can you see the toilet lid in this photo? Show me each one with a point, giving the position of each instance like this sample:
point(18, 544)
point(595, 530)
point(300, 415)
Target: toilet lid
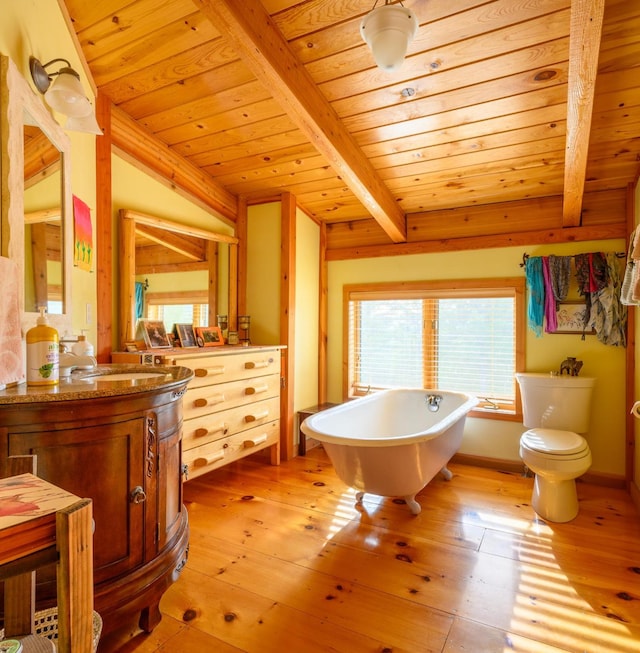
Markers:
point(552, 441)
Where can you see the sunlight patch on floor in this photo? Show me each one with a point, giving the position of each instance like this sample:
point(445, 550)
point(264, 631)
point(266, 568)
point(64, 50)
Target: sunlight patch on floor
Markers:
point(571, 625)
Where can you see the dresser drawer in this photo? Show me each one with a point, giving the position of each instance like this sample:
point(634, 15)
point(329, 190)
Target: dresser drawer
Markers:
point(214, 398)
point(207, 428)
point(220, 369)
point(204, 458)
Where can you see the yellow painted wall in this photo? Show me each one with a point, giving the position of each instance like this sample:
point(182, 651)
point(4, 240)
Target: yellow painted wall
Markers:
point(493, 438)
point(36, 27)
point(263, 272)
point(307, 280)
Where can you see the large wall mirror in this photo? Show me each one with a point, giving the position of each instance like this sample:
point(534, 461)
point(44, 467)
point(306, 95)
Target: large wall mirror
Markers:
point(37, 223)
point(150, 244)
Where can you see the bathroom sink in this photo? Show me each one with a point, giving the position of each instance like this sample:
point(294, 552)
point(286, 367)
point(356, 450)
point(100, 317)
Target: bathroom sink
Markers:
point(127, 376)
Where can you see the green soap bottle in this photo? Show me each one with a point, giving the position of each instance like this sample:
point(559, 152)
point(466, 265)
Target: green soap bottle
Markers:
point(42, 353)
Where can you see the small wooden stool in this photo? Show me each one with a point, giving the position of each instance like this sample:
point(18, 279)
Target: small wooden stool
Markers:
point(302, 415)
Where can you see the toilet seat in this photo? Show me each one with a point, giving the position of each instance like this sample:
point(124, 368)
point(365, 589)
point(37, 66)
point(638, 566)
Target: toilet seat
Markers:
point(555, 444)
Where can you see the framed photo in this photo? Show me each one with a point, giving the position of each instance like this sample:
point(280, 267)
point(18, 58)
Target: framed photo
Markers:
point(571, 318)
point(186, 335)
point(209, 336)
point(154, 334)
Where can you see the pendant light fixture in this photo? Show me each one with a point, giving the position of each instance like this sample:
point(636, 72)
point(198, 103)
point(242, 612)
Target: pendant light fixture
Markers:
point(388, 31)
point(65, 94)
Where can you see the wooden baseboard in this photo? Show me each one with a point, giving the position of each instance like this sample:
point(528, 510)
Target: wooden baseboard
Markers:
point(517, 467)
point(513, 466)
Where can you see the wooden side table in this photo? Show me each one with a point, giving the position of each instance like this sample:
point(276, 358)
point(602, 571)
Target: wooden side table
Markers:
point(41, 523)
point(305, 443)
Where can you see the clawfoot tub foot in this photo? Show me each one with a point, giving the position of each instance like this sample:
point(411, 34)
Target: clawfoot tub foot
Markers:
point(446, 473)
point(359, 497)
point(414, 506)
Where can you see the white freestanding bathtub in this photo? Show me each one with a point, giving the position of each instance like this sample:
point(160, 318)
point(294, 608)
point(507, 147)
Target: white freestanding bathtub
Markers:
point(393, 442)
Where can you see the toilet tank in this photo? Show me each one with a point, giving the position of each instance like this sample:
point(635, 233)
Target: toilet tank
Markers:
point(556, 402)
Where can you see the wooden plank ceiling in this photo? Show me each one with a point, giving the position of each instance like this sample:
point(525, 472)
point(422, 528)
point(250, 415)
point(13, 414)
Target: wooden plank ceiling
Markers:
point(499, 105)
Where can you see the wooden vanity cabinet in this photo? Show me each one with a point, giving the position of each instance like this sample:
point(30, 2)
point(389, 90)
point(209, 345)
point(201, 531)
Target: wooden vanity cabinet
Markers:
point(124, 454)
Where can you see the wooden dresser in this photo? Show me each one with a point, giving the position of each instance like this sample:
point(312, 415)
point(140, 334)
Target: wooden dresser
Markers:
point(232, 405)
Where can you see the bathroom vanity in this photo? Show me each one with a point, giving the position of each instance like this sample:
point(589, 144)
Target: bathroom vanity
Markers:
point(113, 435)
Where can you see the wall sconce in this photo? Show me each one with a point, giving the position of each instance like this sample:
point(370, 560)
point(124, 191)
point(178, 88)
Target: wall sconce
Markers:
point(388, 31)
point(65, 95)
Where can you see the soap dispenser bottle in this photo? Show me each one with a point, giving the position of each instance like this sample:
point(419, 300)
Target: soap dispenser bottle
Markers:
point(83, 347)
point(42, 353)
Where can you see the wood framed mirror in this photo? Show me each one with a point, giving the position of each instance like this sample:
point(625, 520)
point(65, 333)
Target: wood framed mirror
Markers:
point(24, 118)
point(189, 242)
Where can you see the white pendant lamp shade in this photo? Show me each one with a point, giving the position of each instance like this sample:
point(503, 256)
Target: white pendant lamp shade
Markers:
point(66, 96)
point(388, 31)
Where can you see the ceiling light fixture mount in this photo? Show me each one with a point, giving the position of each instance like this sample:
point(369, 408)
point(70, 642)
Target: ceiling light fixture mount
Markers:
point(65, 94)
point(388, 31)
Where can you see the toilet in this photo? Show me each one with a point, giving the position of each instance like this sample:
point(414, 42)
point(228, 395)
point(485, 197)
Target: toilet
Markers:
point(556, 411)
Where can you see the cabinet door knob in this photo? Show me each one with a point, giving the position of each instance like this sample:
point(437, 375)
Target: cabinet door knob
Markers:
point(137, 495)
point(220, 428)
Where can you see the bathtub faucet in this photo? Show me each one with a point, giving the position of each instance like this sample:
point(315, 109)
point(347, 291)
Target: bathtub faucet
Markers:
point(433, 402)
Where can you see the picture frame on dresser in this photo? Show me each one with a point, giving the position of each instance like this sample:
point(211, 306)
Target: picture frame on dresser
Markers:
point(186, 335)
point(210, 336)
point(154, 334)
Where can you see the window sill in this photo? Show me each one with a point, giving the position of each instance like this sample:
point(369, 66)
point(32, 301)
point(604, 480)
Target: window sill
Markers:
point(492, 413)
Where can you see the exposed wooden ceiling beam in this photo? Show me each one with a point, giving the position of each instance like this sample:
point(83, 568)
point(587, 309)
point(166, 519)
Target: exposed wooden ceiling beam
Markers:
point(141, 146)
point(584, 48)
point(266, 52)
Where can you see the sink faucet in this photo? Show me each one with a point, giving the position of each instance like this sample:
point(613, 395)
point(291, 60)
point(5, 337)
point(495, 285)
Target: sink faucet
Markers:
point(69, 361)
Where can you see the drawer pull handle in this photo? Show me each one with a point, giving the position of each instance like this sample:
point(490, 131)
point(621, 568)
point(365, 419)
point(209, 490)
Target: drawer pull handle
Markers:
point(254, 442)
point(221, 428)
point(256, 389)
point(208, 460)
point(256, 416)
point(209, 371)
point(254, 365)
point(201, 402)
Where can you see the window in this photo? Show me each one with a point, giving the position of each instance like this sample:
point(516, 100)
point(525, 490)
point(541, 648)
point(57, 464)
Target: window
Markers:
point(178, 308)
point(464, 336)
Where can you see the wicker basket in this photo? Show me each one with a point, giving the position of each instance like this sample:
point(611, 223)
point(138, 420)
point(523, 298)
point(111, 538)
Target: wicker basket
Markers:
point(46, 625)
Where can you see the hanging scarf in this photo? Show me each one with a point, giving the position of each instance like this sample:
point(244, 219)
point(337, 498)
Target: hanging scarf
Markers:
point(560, 271)
point(535, 282)
point(610, 315)
point(550, 312)
point(592, 276)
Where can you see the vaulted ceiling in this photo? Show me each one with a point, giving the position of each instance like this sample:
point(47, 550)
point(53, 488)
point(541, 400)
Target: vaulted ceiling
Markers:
point(499, 105)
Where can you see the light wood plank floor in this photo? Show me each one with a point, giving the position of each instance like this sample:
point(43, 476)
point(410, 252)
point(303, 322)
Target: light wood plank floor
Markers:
point(281, 560)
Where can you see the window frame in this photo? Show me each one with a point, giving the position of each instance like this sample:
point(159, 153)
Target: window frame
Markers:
point(444, 289)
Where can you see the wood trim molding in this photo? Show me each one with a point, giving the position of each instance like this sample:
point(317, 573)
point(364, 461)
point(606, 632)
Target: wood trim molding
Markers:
point(287, 322)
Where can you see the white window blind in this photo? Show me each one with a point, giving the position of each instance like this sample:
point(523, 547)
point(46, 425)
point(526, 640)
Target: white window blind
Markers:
point(457, 340)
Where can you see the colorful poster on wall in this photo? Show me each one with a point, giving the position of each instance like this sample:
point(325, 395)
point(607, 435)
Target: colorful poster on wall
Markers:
point(83, 235)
